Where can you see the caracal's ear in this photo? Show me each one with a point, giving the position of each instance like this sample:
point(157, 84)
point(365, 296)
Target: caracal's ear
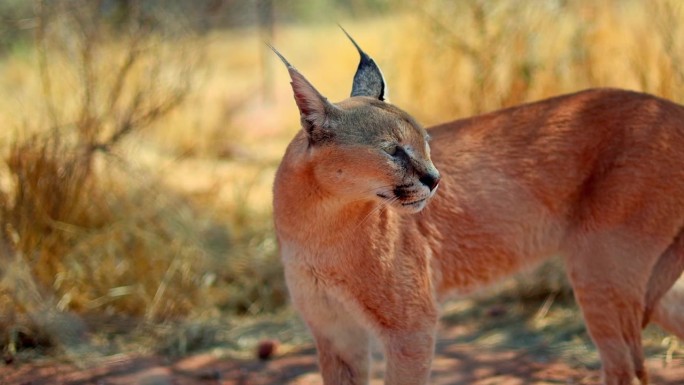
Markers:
point(368, 80)
point(315, 110)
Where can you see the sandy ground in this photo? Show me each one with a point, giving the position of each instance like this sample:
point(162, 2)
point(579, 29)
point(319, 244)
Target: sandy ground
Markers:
point(455, 363)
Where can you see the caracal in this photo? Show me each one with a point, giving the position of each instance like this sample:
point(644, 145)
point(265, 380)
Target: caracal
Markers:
point(378, 219)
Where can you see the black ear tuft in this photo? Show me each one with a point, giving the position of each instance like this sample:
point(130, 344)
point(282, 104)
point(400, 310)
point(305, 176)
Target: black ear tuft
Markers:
point(368, 80)
point(314, 109)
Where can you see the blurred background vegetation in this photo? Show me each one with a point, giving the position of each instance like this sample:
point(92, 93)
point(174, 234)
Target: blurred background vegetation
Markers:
point(138, 139)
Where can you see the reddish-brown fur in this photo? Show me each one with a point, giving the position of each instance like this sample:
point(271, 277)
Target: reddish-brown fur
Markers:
point(596, 177)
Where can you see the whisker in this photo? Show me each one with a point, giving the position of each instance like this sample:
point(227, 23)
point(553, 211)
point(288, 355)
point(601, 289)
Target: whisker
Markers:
point(379, 207)
point(373, 190)
point(389, 186)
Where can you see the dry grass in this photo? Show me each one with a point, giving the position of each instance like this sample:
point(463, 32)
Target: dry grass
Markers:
point(487, 55)
point(144, 190)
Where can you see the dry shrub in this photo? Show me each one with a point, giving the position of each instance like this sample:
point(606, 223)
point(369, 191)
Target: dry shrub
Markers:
point(465, 58)
point(103, 80)
point(79, 241)
point(247, 270)
point(86, 233)
point(81, 232)
point(47, 190)
point(255, 275)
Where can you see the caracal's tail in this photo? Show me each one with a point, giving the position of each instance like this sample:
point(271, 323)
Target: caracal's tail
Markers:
point(669, 313)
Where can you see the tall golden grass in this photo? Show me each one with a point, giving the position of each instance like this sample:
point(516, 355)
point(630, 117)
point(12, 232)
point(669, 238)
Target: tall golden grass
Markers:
point(472, 57)
point(136, 169)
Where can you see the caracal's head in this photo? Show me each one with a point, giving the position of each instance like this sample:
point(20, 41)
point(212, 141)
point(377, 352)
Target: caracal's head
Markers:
point(364, 148)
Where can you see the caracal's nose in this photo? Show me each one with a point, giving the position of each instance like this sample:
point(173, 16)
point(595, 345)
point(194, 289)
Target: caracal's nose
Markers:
point(430, 180)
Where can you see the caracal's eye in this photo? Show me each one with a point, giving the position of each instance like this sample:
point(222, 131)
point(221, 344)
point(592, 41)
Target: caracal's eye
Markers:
point(391, 149)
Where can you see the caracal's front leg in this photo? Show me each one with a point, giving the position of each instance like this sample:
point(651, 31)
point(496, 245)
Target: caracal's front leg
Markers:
point(342, 343)
point(343, 352)
point(409, 356)
point(343, 347)
point(407, 323)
